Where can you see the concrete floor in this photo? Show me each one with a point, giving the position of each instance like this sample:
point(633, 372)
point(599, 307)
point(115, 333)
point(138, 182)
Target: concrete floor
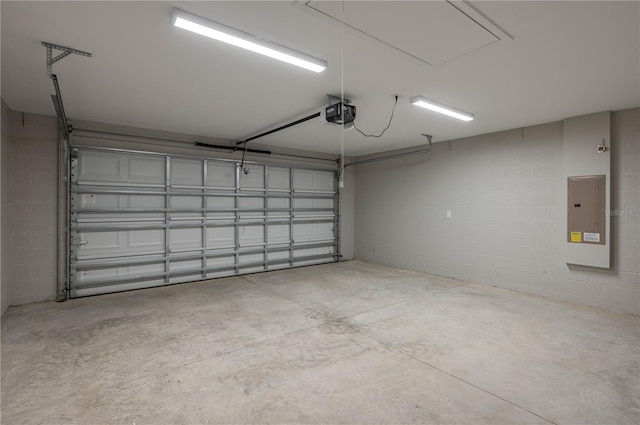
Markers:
point(349, 343)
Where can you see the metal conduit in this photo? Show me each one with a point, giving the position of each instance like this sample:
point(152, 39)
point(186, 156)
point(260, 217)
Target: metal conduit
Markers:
point(384, 158)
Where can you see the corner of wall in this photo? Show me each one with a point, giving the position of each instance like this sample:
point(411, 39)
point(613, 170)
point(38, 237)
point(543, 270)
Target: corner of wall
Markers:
point(5, 284)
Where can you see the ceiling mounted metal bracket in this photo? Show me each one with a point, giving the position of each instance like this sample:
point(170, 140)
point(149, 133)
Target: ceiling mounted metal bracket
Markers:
point(429, 137)
point(66, 51)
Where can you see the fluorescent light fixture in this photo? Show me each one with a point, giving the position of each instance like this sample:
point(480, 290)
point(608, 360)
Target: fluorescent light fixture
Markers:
point(439, 107)
point(220, 32)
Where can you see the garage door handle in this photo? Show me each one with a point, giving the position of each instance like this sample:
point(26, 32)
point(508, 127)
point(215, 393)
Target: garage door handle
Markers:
point(80, 243)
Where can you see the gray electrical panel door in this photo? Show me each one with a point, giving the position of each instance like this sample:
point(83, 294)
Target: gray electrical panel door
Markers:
point(141, 219)
point(586, 209)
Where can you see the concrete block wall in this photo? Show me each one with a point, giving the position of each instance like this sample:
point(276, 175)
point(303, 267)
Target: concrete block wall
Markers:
point(32, 199)
point(504, 194)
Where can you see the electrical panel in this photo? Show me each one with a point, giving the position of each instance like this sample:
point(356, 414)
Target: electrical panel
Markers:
point(586, 198)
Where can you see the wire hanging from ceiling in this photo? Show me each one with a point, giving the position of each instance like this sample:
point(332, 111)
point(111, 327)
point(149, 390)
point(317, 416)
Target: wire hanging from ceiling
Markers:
point(342, 97)
point(244, 168)
point(385, 129)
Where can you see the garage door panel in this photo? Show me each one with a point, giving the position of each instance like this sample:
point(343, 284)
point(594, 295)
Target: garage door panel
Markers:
point(324, 181)
point(313, 203)
point(144, 240)
point(186, 218)
point(220, 202)
point(324, 231)
point(278, 234)
point(303, 180)
point(303, 263)
point(224, 273)
point(96, 275)
point(252, 263)
point(87, 201)
point(278, 203)
point(251, 236)
point(118, 217)
point(182, 203)
point(220, 237)
point(185, 265)
point(187, 172)
point(207, 220)
point(146, 170)
point(302, 203)
point(221, 175)
point(92, 201)
point(109, 167)
point(221, 262)
point(323, 203)
point(302, 232)
point(253, 180)
point(251, 202)
point(184, 278)
point(313, 180)
point(186, 202)
point(118, 243)
point(279, 178)
point(278, 255)
point(96, 244)
point(181, 269)
point(251, 259)
point(312, 232)
point(144, 201)
point(101, 166)
point(185, 239)
point(99, 290)
point(302, 252)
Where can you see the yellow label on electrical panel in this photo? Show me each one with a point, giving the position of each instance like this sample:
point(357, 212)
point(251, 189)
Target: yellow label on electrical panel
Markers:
point(576, 236)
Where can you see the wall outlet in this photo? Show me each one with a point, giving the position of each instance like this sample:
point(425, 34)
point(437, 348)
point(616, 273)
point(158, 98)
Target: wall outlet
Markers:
point(449, 214)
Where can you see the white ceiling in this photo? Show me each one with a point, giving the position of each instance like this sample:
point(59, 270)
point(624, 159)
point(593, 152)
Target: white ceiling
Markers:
point(511, 64)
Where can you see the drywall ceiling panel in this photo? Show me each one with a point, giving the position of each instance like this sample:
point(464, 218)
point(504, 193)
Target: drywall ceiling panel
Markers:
point(432, 32)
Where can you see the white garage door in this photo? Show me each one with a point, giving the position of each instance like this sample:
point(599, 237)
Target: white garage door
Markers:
point(140, 219)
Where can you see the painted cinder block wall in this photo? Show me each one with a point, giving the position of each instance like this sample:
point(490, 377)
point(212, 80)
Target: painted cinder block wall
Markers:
point(32, 207)
point(504, 193)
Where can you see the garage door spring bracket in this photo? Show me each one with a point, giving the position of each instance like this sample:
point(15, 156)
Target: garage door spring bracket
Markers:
point(66, 51)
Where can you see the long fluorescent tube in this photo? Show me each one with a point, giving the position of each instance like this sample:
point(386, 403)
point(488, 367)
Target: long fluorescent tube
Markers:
point(439, 107)
point(220, 32)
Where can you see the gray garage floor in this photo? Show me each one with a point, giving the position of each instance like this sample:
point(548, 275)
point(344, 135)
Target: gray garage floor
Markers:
point(347, 343)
